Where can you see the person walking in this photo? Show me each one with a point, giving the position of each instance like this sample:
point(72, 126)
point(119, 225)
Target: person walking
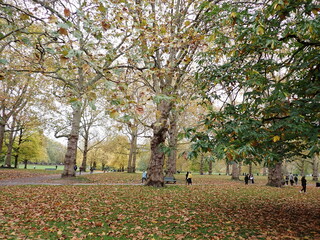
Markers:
point(246, 179)
point(189, 179)
point(296, 179)
point(291, 179)
point(144, 176)
point(303, 184)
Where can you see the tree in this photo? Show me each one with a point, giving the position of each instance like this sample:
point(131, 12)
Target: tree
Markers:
point(265, 56)
point(169, 34)
point(79, 44)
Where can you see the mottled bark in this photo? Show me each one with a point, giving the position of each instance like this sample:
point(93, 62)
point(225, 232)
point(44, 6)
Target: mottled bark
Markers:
point(275, 176)
point(155, 169)
point(70, 157)
point(235, 171)
point(85, 152)
point(173, 141)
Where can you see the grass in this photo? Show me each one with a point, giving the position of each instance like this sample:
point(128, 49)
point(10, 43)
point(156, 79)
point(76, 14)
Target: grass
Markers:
point(213, 208)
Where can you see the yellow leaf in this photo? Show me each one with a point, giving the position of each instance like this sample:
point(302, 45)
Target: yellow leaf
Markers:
point(53, 19)
point(101, 8)
point(24, 17)
point(276, 138)
point(233, 15)
point(187, 23)
point(260, 30)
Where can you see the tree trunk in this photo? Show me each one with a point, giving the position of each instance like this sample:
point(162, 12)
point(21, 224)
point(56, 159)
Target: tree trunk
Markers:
point(275, 176)
point(315, 167)
point(210, 167)
point(227, 169)
point(70, 157)
point(10, 143)
point(2, 129)
point(250, 168)
point(134, 155)
point(173, 141)
point(155, 169)
point(17, 149)
point(235, 171)
point(201, 164)
point(302, 167)
point(85, 152)
point(25, 164)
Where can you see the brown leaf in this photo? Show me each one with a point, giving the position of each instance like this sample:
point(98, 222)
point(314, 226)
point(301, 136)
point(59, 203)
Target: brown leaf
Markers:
point(66, 12)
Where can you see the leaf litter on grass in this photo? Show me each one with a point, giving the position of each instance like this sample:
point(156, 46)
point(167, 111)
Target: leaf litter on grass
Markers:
point(218, 211)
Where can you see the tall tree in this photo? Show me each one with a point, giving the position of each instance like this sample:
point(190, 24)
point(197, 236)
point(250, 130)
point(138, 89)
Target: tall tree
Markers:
point(170, 33)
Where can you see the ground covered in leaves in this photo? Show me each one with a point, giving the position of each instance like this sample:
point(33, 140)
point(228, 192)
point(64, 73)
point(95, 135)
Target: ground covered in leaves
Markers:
point(213, 208)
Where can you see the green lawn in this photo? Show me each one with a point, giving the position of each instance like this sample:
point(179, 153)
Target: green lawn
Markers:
point(213, 208)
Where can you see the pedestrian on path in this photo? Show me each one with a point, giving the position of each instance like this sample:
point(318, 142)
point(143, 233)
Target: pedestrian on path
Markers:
point(189, 179)
point(303, 184)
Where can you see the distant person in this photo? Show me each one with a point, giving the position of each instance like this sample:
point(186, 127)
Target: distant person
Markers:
point(246, 179)
point(252, 178)
point(287, 180)
point(291, 179)
point(75, 167)
point(144, 176)
point(189, 179)
point(56, 167)
point(91, 170)
point(303, 184)
point(296, 179)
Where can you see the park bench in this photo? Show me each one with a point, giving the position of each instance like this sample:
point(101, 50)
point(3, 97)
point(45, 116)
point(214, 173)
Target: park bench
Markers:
point(169, 180)
point(50, 169)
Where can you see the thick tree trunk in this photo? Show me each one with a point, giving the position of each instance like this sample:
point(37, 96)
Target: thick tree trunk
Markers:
point(210, 167)
point(70, 157)
point(155, 169)
point(173, 141)
point(235, 171)
point(275, 176)
point(315, 167)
